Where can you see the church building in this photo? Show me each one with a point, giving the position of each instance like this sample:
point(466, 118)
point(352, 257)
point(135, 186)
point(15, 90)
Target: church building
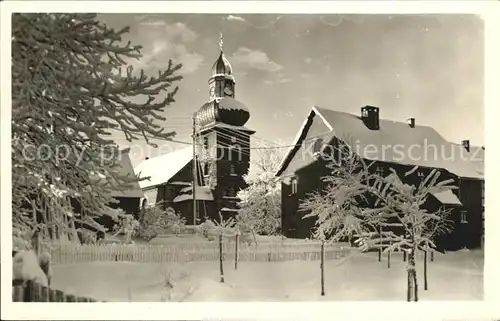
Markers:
point(222, 149)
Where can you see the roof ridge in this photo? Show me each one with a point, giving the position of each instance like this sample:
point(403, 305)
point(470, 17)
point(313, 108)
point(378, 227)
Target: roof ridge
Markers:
point(382, 119)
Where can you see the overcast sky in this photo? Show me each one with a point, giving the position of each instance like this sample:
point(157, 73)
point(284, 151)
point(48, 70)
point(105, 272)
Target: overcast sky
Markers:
point(429, 67)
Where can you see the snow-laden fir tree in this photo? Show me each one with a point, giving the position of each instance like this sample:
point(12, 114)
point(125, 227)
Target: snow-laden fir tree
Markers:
point(72, 83)
point(358, 203)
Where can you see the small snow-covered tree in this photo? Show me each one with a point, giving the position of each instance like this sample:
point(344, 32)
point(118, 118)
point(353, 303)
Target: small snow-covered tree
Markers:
point(73, 82)
point(223, 228)
point(402, 205)
point(339, 206)
point(260, 202)
point(356, 202)
point(127, 225)
point(156, 221)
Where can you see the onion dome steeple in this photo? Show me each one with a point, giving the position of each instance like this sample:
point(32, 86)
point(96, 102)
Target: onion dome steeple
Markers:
point(222, 65)
point(222, 107)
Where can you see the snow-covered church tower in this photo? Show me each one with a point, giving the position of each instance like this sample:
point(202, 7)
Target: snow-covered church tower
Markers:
point(223, 141)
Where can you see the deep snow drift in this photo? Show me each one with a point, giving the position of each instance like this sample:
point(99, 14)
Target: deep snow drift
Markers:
point(453, 276)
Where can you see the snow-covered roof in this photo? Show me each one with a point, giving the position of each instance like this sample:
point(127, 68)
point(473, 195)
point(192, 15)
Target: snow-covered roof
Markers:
point(228, 103)
point(222, 64)
point(162, 168)
point(447, 198)
point(180, 183)
point(127, 170)
point(203, 193)
point(394, 142)
point(228, 126)
point(227, 209)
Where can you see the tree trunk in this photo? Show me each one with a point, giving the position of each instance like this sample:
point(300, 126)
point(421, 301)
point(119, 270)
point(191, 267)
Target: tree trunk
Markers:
point(74, 234)
point(36, 231)
point(220, 259)
point(322, 267)
point(408, 287)
point(404, 255)
point(415, 283)
point(413, 273)
point(254, 238)
point(425, 270)
point(389, 259)
point(237, 239)
point(46, 220)
point(380, 244)
point(412, 280)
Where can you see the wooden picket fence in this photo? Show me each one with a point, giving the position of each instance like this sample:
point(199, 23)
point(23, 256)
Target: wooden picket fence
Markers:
point(34, 292)
point(190, 252)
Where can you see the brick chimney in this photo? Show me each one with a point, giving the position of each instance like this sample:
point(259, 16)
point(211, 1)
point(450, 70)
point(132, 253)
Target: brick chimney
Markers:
point(369, 115)
point(466, 145)
point(411, 122)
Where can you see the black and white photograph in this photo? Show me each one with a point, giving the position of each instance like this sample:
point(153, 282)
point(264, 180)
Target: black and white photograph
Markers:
point(167, 157)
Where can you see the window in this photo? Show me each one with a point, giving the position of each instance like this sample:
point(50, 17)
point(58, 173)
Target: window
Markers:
point(232, 169)
point(206, 168)
point(235, 153)
point(317, 147)
point(463, 216)
point(295, 185)
point(205, 142)
point(230, 192)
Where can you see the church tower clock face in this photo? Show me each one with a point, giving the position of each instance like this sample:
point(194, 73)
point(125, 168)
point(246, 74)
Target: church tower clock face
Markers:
point(228, 91)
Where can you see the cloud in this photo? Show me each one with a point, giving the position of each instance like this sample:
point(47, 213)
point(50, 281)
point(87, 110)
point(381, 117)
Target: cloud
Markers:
point(265, 24)
point(245, 58)
point(335, 20)
point(235, 18)
point(163, 41)
point(308, 60)
point(277, 78)
point(153, 23)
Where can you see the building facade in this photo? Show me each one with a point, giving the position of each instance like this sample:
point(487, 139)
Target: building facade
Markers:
point(388, 144)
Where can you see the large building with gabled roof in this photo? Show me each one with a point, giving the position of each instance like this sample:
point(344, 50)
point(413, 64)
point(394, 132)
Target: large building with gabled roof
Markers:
point(389, 144)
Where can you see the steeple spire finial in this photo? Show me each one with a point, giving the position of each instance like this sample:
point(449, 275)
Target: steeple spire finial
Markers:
point(221, 42)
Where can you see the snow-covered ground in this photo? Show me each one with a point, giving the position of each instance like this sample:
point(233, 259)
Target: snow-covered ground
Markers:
point(453, 276)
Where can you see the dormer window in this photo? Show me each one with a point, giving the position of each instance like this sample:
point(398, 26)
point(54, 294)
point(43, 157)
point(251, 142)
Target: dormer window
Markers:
point(380, 171)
